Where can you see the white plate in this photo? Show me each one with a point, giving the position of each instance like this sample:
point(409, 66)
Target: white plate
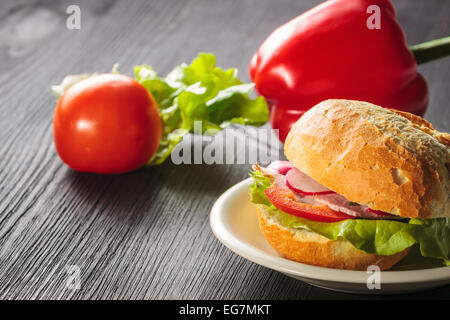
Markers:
point(234, 222)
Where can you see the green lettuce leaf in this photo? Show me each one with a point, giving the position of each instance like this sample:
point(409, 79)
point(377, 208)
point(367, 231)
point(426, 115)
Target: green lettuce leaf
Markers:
point(199, 92)
point(382, 237)
point(259, 183)
point(68, 81)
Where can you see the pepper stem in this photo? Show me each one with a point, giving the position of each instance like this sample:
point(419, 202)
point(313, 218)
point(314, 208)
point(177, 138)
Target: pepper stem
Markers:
point(431, 50)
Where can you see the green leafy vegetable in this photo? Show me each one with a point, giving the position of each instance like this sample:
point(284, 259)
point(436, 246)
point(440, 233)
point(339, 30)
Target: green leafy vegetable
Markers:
point(199, 92)
point(69, 80)
point(259, 183)
point(382, 237)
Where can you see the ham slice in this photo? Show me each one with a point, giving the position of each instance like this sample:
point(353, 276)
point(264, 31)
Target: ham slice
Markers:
point(281, 167)
point(339, 203)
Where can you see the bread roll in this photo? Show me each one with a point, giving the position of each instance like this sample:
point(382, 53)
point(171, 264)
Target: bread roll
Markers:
point(309, 247)
point(388, 160)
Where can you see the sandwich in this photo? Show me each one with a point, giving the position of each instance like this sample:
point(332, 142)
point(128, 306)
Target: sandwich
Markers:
point(362, 186)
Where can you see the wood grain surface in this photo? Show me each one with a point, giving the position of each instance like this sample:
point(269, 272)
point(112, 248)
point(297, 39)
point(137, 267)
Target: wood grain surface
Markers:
point(143, 235)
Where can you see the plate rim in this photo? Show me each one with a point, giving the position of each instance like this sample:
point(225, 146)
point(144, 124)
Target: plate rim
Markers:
point(306, 271)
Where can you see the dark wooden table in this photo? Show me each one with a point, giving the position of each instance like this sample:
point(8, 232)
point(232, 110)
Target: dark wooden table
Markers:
point(145, 234)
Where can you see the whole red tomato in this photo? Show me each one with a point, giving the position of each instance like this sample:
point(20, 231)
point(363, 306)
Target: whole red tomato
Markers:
point(108, 124)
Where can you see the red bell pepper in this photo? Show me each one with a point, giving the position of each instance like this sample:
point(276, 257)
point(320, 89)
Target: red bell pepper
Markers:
point(330, 52)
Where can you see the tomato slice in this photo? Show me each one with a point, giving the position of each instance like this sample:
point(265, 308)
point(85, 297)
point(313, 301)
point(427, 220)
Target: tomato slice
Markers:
point(284, 200)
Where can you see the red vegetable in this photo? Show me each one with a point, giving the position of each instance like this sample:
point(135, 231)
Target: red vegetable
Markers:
point(281, 166)
point(284, 200)
point(301, 183)
point(329, 52)
point(107, 123)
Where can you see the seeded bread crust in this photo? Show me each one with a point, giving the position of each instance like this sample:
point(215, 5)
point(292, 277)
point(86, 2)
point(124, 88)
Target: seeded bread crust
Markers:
point(389, 160)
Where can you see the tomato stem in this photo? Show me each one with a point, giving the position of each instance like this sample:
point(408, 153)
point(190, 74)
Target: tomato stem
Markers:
point(431, 50)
